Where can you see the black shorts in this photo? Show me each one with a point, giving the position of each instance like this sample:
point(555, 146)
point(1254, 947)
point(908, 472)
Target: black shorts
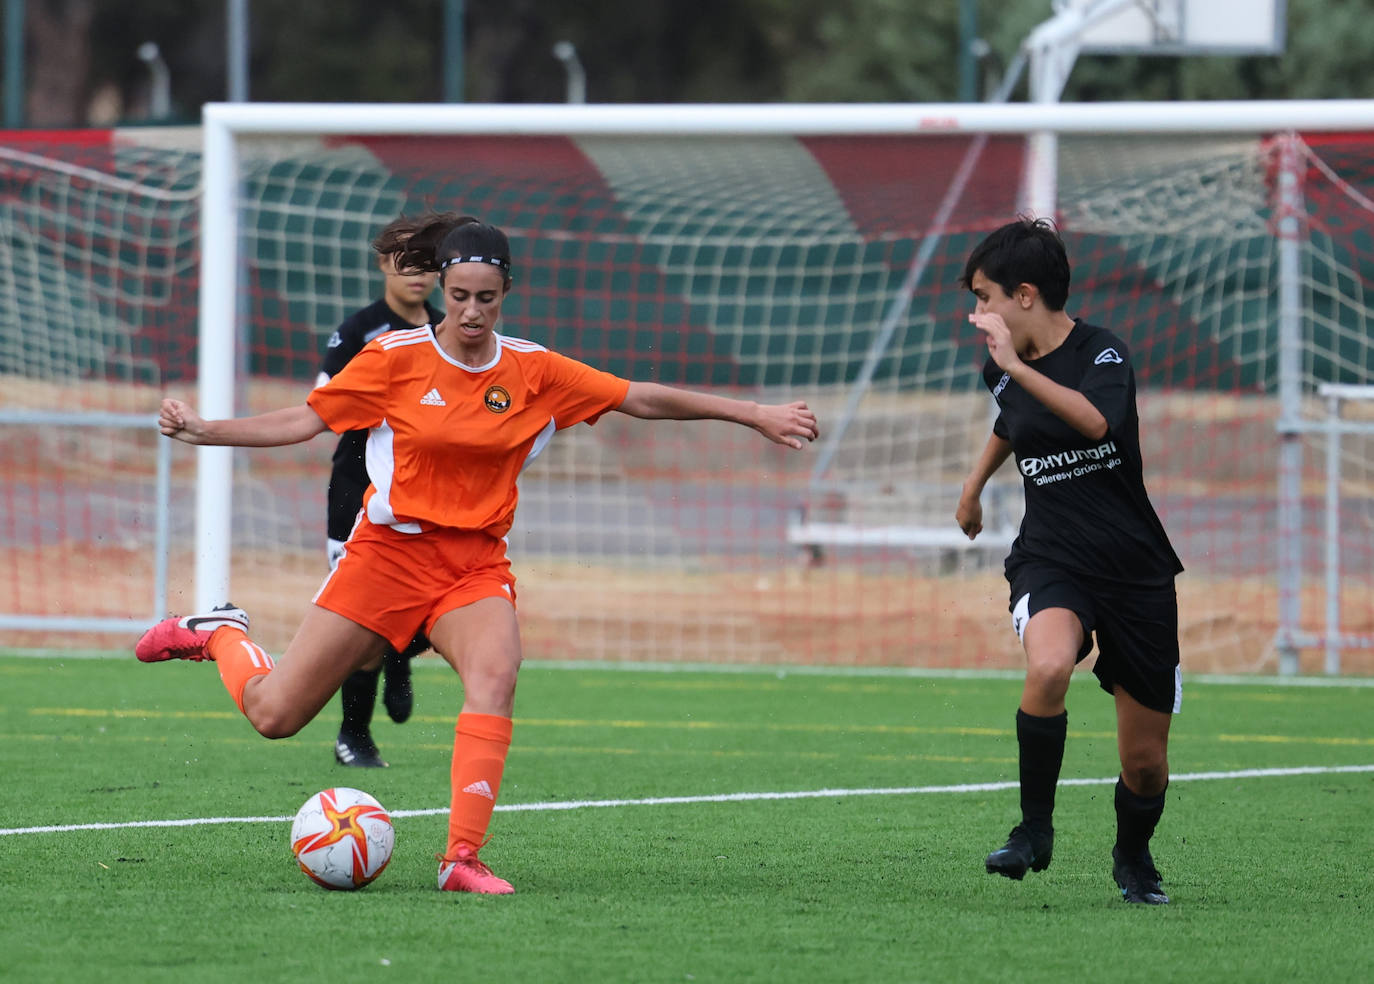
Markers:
point(1136, 628)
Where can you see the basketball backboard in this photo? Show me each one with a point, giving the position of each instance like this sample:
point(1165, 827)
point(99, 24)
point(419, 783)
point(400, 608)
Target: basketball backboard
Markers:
point(1185, 27)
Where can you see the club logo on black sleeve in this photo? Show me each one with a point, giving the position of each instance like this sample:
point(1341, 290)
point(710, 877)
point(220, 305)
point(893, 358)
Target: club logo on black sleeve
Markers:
point(497, 399)
point(1108, 355)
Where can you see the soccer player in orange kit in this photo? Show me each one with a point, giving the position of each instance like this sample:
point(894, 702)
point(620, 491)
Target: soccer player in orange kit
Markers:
point(453, 412)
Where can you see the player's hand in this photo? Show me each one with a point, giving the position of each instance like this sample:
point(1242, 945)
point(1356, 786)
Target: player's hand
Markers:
point(177, 420)
point(969, 515)
point(787, 423)
point(998, 336)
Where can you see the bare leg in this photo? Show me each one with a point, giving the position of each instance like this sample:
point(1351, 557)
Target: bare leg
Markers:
point(481, 642)
point(326, 649)
point(1052, 639)
point(1142, 739)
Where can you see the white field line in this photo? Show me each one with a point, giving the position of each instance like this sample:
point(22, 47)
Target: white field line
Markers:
point(975, 787)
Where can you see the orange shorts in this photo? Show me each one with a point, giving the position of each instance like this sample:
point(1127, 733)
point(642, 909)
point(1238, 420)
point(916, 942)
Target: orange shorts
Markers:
point(399, 583)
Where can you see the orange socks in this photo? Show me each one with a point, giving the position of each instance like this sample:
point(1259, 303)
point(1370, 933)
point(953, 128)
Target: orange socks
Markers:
point(239, 659)
point(480, 743)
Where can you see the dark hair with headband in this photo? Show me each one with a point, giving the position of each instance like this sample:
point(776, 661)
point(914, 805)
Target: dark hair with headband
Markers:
point(438, 240)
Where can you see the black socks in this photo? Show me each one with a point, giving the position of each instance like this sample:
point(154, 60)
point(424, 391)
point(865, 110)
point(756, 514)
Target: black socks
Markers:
point(1041, 742)
point(1136, 818)
point(359, 695)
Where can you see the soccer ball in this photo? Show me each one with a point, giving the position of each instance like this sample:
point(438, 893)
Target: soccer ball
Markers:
point(342, 838)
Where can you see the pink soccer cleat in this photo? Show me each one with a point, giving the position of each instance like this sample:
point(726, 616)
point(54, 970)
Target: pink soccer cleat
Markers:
point(185, 637)
point(466, 874)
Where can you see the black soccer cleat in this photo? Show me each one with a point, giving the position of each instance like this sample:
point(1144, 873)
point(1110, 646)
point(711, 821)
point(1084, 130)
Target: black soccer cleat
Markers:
point(358, 751)
point(1025, 848)
point(1139, 881)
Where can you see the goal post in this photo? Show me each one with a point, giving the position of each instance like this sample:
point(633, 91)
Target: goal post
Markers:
point(767, 252)
point(226, 125)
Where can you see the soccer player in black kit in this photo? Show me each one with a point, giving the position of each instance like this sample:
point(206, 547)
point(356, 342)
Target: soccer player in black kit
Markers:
point(404, 304)
point(1091, 555)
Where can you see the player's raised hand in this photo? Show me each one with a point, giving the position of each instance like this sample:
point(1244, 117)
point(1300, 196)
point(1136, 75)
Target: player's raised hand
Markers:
point(998, 336)
point(787, 423)
point(177, 420)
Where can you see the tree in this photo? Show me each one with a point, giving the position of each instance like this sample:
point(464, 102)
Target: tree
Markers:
point(651, 51)
point(59, 39)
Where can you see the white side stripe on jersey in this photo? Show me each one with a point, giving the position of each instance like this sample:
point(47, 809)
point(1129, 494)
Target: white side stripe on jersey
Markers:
point(521, 344)
point(540, 442)
point(410, 336)
point(381, 468)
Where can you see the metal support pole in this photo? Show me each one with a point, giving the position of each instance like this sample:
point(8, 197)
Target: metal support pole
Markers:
point(14, 64)
point(1290, 572)
point(237, 40)
point(968, 55)
point(1333, 535)
point(566, 52)
point(219, 260)
point(162, 535)
point(453, 51)
point(1051, 61)
point(160, 92)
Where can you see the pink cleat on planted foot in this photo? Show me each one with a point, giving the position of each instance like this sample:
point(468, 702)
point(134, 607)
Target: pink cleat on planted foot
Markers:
point(185, 637)
point(466, 874)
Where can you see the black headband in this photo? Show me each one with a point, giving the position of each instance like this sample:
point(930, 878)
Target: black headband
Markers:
point(496, 261)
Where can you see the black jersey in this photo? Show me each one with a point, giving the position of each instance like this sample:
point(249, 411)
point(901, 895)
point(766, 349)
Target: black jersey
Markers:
point(1087, 511)
point(349, 474)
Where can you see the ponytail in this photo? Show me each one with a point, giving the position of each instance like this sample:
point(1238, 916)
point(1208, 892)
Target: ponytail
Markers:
point(427, 242)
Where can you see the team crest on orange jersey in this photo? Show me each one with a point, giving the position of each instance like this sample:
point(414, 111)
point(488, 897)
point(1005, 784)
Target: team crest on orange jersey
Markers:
point(497, 399)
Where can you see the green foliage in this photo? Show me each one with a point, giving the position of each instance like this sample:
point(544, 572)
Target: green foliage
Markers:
point(1266, 873)
point(870, 51)
point(686, 51)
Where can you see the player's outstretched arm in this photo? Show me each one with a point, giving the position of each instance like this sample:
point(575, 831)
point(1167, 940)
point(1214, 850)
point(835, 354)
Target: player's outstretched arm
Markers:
point(782, 423)
point(291, 425)
point(969, 513)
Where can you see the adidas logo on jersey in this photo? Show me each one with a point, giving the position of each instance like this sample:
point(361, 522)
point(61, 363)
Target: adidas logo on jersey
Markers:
point(432, 399)
point(480, 788)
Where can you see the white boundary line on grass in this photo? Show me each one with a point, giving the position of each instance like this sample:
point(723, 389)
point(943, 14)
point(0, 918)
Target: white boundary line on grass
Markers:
point(975, 787)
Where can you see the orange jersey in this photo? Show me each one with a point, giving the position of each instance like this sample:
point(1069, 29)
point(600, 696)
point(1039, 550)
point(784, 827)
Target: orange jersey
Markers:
point(446, 442)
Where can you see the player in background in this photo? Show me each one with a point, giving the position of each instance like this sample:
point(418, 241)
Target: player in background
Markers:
point(455, 410)
point(1091, 554)
point(404, 304)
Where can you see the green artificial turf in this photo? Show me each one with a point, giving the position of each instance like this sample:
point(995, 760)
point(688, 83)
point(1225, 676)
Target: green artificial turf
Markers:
point(868, 865)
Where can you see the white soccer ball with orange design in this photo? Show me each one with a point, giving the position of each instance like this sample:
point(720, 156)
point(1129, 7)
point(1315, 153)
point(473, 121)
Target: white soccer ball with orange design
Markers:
point(342, 838)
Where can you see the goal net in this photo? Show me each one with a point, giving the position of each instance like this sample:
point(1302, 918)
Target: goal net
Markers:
point(817, 264)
